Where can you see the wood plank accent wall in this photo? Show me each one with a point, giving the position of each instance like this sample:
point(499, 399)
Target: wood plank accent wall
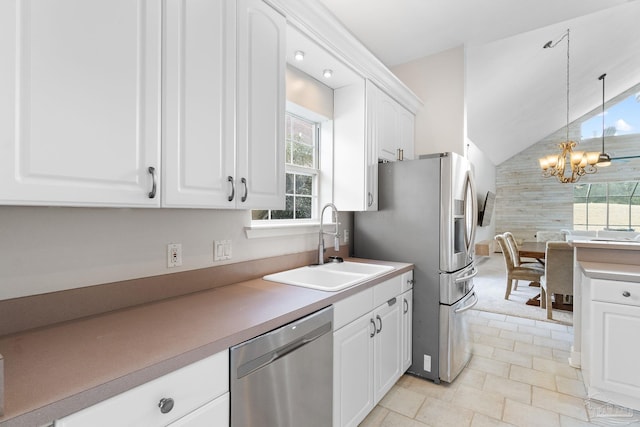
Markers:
point(526, 202)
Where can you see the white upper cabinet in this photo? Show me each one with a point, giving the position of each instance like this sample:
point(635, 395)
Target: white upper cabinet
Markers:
point(80, 110)
point(83, 126)
point(224, 105)
point(260, 175)
point(395, 128)
point(355, 148)
point(199, 103)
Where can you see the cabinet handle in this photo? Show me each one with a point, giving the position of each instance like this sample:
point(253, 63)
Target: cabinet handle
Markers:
point(410, 282)
point(166, 405)
point(246, 189)
point(380, 328)
point(626, 294)
point(370, 198)
point(374, 328)
point(152, 171)
point(233, 188)
point(406, 306)
point(392, 301)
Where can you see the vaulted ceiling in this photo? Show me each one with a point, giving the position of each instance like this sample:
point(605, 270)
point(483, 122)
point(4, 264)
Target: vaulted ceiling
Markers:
point(515, 90)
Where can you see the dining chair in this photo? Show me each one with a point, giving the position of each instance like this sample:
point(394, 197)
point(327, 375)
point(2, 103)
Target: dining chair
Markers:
point(515, 253)
point(514, 272)
point(558, 274)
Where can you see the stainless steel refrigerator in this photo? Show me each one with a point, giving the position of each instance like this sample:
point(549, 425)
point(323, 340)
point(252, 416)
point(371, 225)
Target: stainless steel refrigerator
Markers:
point(427, 215)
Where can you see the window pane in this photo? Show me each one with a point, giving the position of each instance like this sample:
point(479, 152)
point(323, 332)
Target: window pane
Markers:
point(304, 184)
point(285, 214)
point(302, 155)
point(303, 207)
point(290, 182)
point(257, 215)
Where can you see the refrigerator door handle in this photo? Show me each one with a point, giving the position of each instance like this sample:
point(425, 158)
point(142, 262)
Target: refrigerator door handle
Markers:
point(473, 274)
point(468, 307)
point(470, 217)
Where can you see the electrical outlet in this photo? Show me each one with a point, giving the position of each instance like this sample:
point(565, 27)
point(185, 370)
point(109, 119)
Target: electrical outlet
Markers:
point(174, 255)
point(221, 250)
point(345, 233)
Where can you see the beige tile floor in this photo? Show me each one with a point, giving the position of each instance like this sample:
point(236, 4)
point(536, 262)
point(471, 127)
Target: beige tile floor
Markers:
point(518, 376)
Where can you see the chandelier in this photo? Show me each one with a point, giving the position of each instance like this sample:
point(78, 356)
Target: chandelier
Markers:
point(568, 166)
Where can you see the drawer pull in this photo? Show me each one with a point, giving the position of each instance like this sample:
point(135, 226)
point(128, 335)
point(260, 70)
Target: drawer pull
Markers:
point(166, 405)
point(372, 334)
point(626, 294)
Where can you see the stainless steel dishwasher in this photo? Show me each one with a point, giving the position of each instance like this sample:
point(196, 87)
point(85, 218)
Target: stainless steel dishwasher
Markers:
point(284, 378)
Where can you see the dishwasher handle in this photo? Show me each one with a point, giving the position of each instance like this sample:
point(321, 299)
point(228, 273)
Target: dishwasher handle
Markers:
point(273, 355)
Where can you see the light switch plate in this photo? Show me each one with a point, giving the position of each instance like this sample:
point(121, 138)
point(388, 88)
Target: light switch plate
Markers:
point(221, 250)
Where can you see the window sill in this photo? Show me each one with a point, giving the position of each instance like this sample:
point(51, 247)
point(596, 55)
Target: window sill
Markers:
point(278, 230)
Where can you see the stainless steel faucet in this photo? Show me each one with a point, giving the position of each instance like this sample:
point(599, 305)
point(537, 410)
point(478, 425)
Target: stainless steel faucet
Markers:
point(335, 234)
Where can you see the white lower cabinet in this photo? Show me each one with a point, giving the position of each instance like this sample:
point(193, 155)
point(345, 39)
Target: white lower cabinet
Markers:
point(611, 333)
point(407, 330)
point(369, 348)
point(193, 396)
point(353, 355)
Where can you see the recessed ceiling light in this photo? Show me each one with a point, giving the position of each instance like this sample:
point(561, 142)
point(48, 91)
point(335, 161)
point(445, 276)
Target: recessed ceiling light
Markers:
point(327, 73)
point(299, 55)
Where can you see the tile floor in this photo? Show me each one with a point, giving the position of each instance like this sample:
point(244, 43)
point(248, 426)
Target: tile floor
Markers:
point(518, 376)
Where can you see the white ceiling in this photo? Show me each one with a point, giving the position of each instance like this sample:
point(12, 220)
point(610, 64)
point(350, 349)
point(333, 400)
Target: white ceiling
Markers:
point(515, 93)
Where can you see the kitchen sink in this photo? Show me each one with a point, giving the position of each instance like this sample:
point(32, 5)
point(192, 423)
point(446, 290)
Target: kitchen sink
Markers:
point(330, 277)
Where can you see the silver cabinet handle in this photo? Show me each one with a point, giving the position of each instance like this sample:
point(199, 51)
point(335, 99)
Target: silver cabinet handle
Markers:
point(374, 328)
point(166, 405)
point(233, 188)
point(370, 198)
point(380, 320)
point(152, 171)
point(246, 189)
point(406, 306)
point(410, 282)
point(626, 294)
point(391, 301)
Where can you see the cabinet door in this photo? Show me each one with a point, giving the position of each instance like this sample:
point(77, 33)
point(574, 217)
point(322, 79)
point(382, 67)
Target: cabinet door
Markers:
point(261, 104)
point(81, 110)
point(353, 372)
point(406, 131)
point(199, 102)
point(407, 318)
point(371, 149)
point(614, 350)
point(387, 134)
point(388, 346)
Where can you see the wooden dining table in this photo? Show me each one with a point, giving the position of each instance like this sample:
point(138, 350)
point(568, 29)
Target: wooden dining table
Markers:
point(537, 250)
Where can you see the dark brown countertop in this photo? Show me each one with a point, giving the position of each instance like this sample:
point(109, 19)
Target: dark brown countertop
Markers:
point(53, 371)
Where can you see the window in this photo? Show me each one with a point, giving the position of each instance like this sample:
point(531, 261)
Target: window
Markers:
point(607, 206)
point(622, 118)
point(302, 138)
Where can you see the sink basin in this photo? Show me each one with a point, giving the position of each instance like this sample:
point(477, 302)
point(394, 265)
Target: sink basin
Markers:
point(330, 277)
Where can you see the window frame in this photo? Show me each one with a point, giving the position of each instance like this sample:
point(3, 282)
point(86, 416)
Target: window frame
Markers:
point(585, 200)
point(323, 184)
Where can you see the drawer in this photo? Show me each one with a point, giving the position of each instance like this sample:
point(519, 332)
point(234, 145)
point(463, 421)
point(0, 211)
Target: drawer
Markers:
point(387, 290)
point(617, 292)
point(350, 308)
point(190, 388)
point(407, 281)
point(213, 414)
